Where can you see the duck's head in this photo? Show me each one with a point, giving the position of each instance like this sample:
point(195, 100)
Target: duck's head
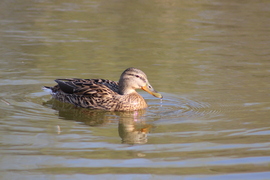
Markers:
point(132, 79)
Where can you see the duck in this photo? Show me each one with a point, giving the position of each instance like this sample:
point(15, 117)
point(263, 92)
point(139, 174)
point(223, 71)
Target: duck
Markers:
point(105, 94)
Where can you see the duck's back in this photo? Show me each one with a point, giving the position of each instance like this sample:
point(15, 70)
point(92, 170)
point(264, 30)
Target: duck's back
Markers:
point(87, 93)
point(84, 86)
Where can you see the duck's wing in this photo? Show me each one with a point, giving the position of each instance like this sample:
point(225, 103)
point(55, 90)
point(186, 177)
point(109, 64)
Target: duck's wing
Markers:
point(93, 87)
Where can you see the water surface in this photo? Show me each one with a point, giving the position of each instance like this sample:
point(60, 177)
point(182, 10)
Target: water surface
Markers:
point(209, 59)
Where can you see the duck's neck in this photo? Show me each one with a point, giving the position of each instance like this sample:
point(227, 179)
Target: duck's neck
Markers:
point(125, 91)
point(124, 87)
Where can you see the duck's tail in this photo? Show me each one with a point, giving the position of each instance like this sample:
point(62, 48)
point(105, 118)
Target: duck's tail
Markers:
point(47, 89)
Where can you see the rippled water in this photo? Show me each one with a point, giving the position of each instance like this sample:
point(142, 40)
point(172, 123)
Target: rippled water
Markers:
point(209, 59)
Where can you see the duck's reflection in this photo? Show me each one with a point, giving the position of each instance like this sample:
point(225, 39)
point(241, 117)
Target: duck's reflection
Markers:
point(131, 125)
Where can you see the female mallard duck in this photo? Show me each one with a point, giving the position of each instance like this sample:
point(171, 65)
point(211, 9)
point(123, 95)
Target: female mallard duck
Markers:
point(105, 94)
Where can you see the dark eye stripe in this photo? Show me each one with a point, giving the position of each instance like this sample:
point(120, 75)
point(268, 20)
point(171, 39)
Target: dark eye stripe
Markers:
point(138, 77)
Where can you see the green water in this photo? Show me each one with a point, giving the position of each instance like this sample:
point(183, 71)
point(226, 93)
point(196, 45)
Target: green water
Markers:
point(209, 59)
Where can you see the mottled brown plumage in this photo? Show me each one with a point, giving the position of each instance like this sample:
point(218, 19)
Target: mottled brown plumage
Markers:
point(105, 94)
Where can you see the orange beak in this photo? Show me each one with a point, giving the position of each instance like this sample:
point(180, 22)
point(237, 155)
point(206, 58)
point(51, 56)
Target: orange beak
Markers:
point(150, 90)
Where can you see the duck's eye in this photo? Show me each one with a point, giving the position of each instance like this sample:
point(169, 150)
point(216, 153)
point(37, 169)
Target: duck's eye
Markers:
point(137, 76)
point(149, 87)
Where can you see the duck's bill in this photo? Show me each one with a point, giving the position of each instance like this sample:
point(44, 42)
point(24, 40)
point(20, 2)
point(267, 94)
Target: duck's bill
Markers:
point(152, 91)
